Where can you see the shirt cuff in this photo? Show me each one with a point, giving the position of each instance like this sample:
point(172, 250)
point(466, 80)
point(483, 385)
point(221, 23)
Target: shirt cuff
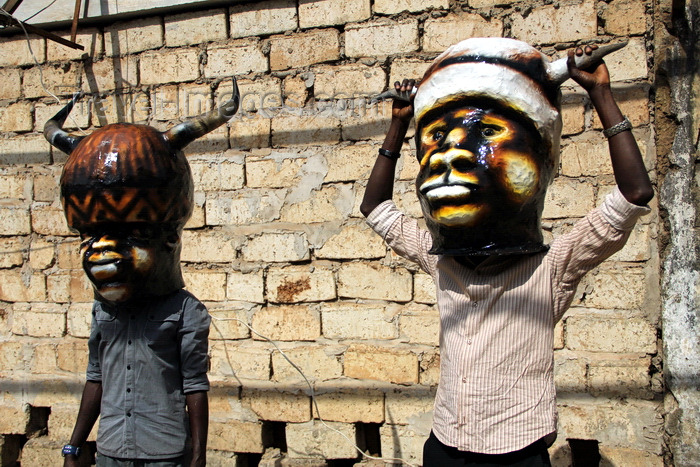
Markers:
point(381, 218)
point(196, 384)
point(619, 212)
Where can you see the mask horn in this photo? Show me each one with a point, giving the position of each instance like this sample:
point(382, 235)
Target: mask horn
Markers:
point(183, 134)
point(558, 71)
point(54, 133)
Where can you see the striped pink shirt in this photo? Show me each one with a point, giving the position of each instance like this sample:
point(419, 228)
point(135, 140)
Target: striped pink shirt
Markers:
point(496, 391)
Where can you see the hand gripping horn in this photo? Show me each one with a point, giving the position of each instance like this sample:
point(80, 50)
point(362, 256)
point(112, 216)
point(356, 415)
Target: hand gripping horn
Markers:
point(557, 71)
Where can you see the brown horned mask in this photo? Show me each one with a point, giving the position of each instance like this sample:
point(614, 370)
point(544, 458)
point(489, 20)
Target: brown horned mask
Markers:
point(128, 172)
point(128, 190)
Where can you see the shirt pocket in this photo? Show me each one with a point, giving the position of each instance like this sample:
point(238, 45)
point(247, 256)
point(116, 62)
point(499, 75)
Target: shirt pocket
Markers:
point(107, 325)
point(161, 328)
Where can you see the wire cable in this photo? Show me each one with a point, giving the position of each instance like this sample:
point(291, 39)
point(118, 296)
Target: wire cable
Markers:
point(388, 460)
point(36, 62)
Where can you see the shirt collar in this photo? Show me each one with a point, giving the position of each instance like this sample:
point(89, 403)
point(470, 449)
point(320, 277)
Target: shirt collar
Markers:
point(491, 265)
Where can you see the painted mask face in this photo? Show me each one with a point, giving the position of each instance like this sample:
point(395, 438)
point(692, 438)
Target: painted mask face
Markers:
point(482, 180)
point(129, 260)
point(128, 190)
point(475, 165)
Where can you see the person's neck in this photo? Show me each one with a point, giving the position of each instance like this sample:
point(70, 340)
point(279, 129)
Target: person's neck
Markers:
point(471, 262)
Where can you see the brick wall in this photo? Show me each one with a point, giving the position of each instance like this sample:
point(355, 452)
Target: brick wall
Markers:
point(277, 240)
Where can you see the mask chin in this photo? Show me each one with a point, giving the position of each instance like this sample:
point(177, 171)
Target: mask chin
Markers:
point(501, 232)
point(119, 294)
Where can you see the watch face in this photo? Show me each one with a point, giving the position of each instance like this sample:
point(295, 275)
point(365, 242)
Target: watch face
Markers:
point(69, 450)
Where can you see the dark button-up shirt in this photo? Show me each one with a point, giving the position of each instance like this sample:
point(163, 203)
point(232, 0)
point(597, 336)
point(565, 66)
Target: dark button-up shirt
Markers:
point(147, 356)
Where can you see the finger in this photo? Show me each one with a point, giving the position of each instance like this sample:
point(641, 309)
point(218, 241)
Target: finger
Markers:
point(574, 71)
point(579, 51)
point(397, 85)
point(407, 86)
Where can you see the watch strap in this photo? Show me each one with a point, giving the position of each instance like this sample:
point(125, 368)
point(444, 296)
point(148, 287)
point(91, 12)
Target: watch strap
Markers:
point(70, 450)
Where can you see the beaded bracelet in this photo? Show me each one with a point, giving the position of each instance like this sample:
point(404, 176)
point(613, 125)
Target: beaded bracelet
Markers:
point(389, 154)
point(624, 125)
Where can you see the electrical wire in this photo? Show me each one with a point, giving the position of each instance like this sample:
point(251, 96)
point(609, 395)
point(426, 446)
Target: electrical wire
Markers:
point(36, 62)
point(388, 460)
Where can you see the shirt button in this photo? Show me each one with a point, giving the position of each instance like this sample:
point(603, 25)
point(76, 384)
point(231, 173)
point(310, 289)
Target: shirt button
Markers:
point(128, 414)
point(464, 379)
point(128, 389)
point(469, 342)
point(474, 304)
point(128, 367)
point(129, 342)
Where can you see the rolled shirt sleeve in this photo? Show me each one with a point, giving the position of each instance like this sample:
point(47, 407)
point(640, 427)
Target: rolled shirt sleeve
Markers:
point(194, 338)
point(403, 235)
point(619, 212)
point(594, 238)
point(94, 369)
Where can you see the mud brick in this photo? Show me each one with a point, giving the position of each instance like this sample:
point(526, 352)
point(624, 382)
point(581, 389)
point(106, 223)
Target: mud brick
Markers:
point(296, 284)
point(328, 12)
point(129, 37)
point(287, 323)
point(195, 28)
point(440, 33)
point(372, 281)
point(549, 24)
point(302, 49)
point(359, 321)
point(381, 38)
point(263, 18)
point(390, 364)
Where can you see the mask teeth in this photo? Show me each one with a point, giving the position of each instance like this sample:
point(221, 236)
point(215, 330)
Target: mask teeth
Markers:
point(558, 71)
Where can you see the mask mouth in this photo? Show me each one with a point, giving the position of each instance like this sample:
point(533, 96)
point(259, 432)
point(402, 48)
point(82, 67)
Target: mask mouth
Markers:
point(104, 271)
point(448, 192)
point(450, 187)
point(104, 267)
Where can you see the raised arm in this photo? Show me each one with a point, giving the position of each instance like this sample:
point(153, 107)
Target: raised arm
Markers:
point(380, 185)
point(628, 166)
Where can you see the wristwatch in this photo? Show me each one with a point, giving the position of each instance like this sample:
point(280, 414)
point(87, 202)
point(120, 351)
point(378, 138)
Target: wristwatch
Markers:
point(70, 450)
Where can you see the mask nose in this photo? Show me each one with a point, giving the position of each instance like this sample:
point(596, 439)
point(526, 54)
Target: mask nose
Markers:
point(456, 152)
point(102, 249)
point(452, 159)
point(104, 242)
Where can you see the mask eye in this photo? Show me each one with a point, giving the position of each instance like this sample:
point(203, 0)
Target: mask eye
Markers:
point(489, 131)
point(438, 135)
point(141, 235)
point(86, 238)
